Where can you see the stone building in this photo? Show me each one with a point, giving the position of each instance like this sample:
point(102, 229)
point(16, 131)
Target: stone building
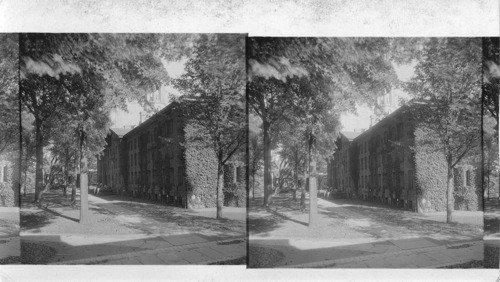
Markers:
point(157, 161)
point(389, 164)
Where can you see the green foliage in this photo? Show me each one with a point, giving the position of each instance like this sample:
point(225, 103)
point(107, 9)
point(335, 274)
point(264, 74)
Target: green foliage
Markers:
point(214, 83)
point(447, 89)
point(491, 76)
point(9, 103)
point(235, 195)
point(447, 94)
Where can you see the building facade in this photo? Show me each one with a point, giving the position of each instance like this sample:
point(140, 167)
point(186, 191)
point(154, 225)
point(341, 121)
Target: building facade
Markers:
point(155, 160)
point(388, 164)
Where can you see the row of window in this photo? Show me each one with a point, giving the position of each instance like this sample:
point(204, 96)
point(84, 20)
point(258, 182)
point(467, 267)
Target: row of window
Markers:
point(167, 131)
point(145, 177)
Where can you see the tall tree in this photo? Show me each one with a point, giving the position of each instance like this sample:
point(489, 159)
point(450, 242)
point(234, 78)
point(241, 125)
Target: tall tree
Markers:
point(447, 88)
point(214, 82)
point(255, 150)
point(491, 89)
point(491, 75)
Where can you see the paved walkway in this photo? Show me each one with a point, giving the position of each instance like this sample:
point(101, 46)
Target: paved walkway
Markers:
point(406, 253)
point(492, 233)
point(148, 233)
point(9, 232)
point(353, 234)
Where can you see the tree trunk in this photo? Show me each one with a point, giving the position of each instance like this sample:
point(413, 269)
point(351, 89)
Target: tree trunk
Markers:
point(25, 180)
point(267, 164)
point(66, 172)
point(449, 194)
point(303, 189)
point(73, 188)
point(253, 187)
point(220, 185)
point(313, 191)
point(39, 159)
point(295, 176)
point(488, 184)
point(84, 204)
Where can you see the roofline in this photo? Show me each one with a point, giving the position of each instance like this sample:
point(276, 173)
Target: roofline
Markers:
point(348, 137)
point(113, 130)
point(152, 118)
point(378, 124)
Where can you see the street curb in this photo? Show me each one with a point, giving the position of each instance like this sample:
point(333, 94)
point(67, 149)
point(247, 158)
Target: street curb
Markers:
point(327, 263)
point(95, 260)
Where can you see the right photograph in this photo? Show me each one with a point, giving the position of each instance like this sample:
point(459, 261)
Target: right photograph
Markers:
point(371, 153)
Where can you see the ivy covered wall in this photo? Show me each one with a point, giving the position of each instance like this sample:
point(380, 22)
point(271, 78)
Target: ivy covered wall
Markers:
point(201, 169)
point(430, 173)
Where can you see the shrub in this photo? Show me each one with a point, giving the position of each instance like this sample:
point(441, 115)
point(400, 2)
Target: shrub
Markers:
point(235, 195)
point(466, 196)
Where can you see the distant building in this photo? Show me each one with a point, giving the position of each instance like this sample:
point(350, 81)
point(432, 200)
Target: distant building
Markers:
point(157, 161)
point(387, 164)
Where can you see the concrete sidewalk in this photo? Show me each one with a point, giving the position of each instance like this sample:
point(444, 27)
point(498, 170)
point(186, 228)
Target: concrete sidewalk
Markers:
point(417, 253)
point(140, 248)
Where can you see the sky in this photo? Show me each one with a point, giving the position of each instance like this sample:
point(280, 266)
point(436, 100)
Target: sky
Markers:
point(120, 118)
point(361, 120)
point(350, 122)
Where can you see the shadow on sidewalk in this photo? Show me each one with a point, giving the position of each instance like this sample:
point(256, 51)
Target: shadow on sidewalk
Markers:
point(127, 215)
point(492, 218)
point(69, 249)
point(261, 250)
point(492, 254)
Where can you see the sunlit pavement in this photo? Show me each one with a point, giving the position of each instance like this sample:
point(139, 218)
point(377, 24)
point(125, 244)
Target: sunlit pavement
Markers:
point(140, 249)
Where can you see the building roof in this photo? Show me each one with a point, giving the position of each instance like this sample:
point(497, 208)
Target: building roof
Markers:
point(383, 121)
point(350, 135)
point(120, 131)
point(152, 118)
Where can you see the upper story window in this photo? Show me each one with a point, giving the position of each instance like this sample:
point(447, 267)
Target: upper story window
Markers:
point(170, 128)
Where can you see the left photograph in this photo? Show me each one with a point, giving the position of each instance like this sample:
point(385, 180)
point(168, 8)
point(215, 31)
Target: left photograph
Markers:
point(9, 150)
point(133, 148)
